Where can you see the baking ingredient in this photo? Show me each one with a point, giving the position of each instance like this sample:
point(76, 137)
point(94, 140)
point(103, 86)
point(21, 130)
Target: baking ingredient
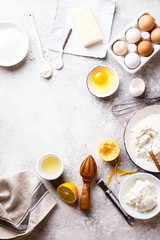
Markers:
point(45, 67)
point(45, 70)
point(145, 48)
point(146, 140)
point(108, 150)
point(50, 165)
point(114, 165)
point(68, 192)
point(132, 48)
point(146, 22)
point(87, 27)
point(142, 196)
point(155, 35)
point(149, 125)
point(101, 80)
point(120, 48)
point(11, 43)
point(145, 35)
point(137, 87)
point(133, 35)
point(132, 60)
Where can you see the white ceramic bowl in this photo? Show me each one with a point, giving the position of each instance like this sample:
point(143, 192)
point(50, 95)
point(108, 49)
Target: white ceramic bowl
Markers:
point(108, 93)
point(128, 184)
point(18, 32)
point(43, 174)
point(139, 115)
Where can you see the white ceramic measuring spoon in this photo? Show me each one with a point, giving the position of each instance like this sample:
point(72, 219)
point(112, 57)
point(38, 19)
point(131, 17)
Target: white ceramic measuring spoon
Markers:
point(146, 142)
point(45, 67)
point(59, 60)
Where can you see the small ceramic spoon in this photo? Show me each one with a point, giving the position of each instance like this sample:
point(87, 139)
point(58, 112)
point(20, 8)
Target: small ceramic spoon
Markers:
point(45, 67)
point(59, 60)
point(147, 144)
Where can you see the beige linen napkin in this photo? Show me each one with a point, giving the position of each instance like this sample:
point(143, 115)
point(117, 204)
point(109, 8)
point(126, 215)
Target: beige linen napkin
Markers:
point(24, 202)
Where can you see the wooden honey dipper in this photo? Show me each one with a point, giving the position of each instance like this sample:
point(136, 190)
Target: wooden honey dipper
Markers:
point(88, 171)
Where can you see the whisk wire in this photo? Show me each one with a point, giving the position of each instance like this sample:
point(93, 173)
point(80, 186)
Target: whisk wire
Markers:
point(128, 105)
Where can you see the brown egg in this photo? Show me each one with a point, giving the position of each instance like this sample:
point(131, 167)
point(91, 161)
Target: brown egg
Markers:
point(145, 48)
point(155, 35)
point(146, 22)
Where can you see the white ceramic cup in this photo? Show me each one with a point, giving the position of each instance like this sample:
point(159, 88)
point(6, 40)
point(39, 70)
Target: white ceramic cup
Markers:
point(47, 176)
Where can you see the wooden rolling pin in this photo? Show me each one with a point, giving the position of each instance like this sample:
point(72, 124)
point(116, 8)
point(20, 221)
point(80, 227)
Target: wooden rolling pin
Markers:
point(88, 171)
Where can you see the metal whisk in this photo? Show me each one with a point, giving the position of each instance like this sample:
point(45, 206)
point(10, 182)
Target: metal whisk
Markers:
point(126, 106)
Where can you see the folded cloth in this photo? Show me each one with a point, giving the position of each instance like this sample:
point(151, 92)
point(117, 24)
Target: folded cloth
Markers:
point(24, 202)
point(103, 10)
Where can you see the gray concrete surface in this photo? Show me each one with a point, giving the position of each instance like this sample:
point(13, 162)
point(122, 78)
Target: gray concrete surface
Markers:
point(60, 116)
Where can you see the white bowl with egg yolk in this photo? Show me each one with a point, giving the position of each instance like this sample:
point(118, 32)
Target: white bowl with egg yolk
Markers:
point(102, 81)
point(50, 166)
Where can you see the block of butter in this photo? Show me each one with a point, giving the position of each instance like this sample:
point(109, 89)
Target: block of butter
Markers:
point(87, 27)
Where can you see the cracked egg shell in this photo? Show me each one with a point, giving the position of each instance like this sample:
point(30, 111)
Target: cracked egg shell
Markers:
point(137, 87)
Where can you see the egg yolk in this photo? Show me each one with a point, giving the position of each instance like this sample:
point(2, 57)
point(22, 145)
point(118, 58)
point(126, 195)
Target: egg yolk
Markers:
point(100, 77)
point(102, 80)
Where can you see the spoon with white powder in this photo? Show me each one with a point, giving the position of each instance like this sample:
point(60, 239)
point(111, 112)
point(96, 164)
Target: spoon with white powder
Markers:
point(146, 142)
point(45, 67)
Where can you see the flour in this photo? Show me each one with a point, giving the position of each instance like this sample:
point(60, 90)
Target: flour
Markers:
point(151, 126)
point(11, 43)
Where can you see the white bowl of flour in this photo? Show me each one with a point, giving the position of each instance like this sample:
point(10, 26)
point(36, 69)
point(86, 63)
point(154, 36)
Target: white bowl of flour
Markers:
point(145, 121)
point(14, 44)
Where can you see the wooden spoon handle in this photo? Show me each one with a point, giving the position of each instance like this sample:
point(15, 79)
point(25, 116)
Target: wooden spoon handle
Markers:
point(85, 196)
point(154, 159)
